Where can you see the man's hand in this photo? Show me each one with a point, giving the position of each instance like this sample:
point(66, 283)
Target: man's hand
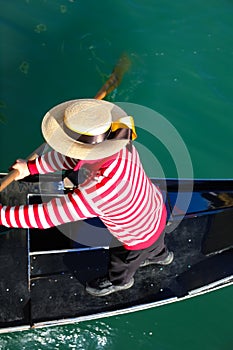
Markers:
point(21, 166)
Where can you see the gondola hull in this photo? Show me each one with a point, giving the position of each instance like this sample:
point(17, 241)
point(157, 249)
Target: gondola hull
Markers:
point(43, 272)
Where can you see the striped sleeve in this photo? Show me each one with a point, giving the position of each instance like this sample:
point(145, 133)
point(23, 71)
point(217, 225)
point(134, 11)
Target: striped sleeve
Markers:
point(51, 162)
point(60, 210)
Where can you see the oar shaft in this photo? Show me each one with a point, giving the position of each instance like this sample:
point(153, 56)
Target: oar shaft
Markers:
point(108, 87)
point(10, 177)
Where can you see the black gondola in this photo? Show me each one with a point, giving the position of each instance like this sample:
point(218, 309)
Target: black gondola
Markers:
point(43, 272)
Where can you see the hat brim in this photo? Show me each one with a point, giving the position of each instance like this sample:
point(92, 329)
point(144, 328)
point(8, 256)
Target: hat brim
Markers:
point(52, 130)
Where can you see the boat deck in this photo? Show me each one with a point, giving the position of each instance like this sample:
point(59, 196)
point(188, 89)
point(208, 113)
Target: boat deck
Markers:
point(58, 280)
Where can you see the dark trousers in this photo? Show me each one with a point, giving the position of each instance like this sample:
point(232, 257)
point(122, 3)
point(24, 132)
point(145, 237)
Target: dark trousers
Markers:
point(124, 263)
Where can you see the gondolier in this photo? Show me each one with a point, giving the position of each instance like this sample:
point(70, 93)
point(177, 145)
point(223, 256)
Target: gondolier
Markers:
point(98, 135)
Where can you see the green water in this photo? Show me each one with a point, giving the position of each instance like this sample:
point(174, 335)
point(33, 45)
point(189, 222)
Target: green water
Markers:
point(181, 53)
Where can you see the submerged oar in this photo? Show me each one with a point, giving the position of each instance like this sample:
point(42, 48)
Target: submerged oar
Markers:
point(114, 80)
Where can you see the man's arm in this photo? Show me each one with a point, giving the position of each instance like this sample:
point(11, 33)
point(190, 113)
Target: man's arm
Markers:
point(46, 163)
point(61, 210)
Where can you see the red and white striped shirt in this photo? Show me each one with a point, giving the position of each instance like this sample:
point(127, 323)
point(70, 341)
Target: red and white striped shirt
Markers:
point(120, 194)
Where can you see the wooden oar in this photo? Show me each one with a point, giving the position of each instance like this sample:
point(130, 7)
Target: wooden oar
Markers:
point(10, 177)
point(114, 80)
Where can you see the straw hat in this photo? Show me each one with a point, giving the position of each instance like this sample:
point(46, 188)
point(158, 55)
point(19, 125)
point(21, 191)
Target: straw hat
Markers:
point(87, 128)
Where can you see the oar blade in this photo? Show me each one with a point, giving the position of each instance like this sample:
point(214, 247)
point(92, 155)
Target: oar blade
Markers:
point(115, 78)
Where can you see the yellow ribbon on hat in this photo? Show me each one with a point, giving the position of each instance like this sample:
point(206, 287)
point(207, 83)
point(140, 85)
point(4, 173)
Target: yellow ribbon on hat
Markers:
point(125, 123)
